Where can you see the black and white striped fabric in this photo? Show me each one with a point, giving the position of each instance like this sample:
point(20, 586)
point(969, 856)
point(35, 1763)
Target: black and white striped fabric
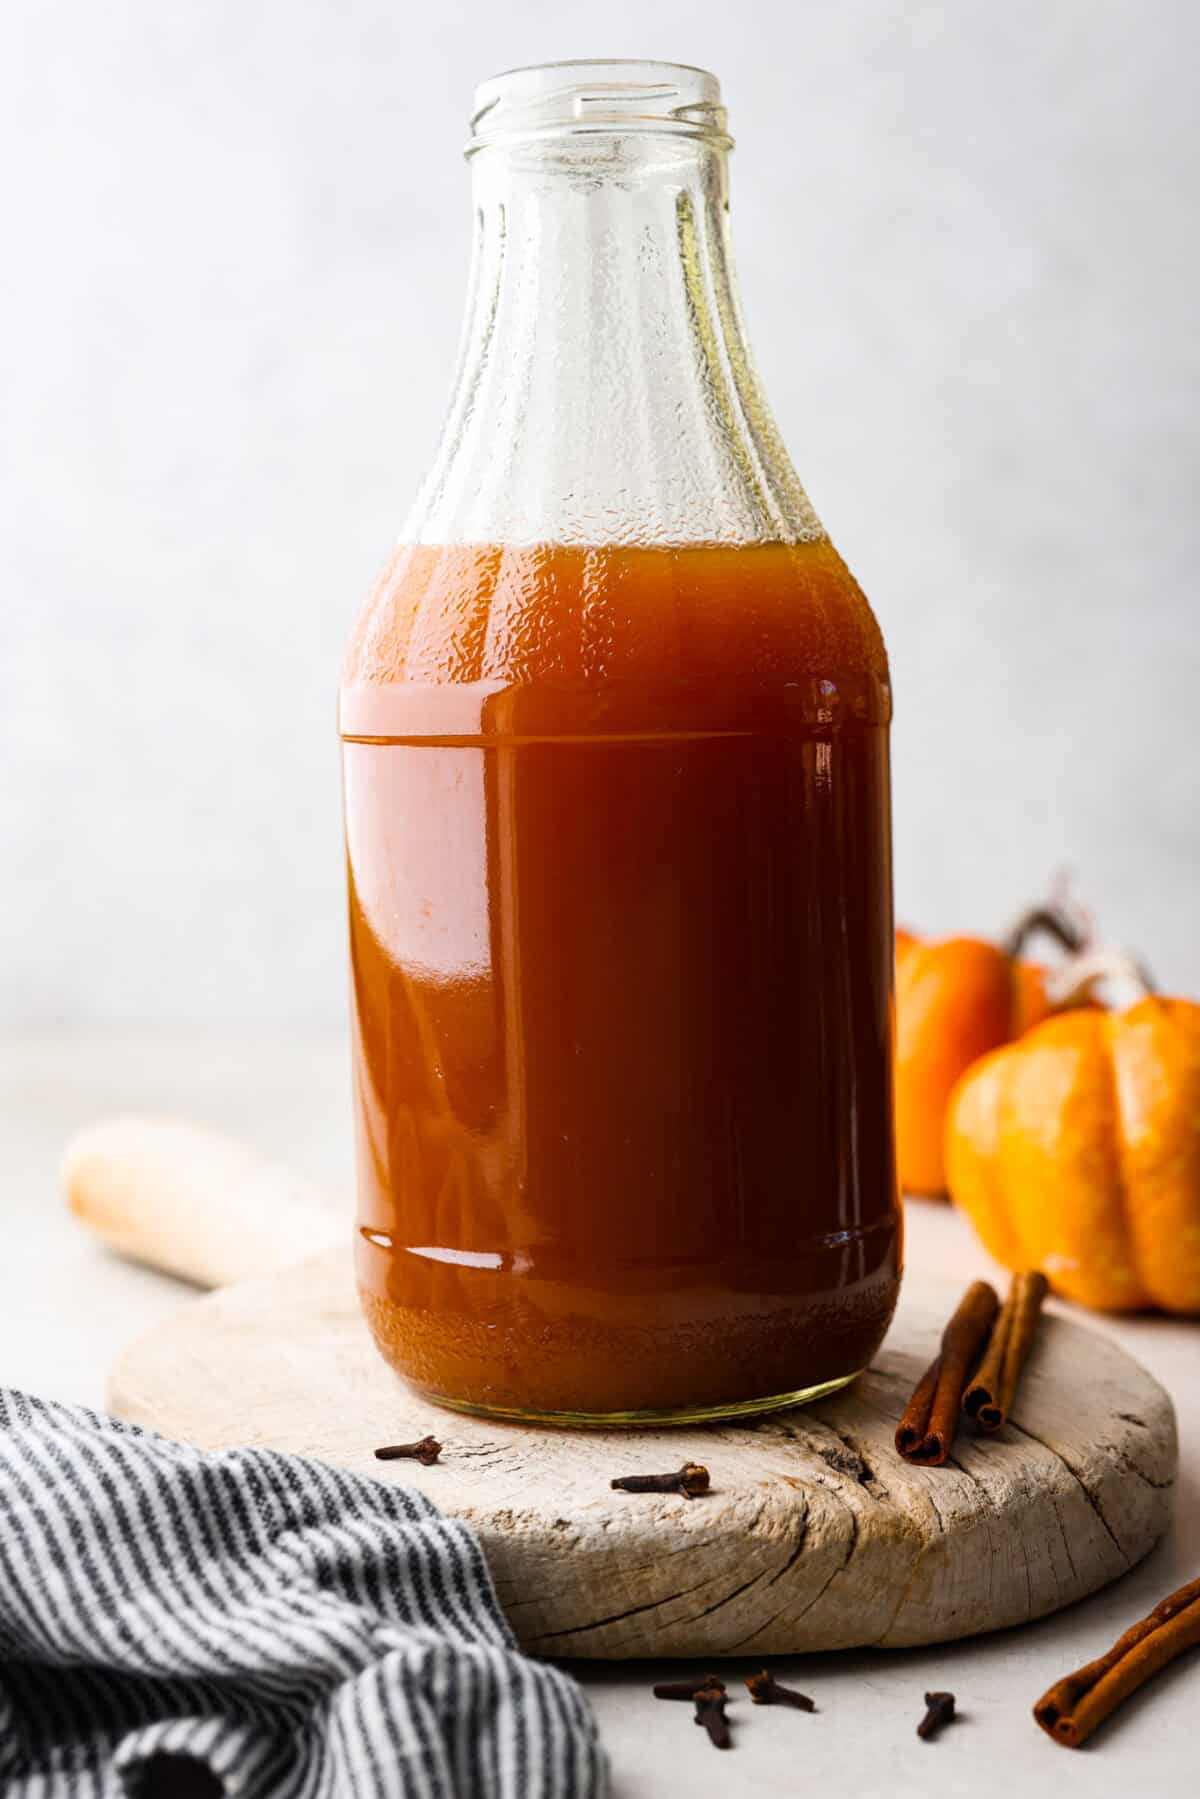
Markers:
point(255, 1624)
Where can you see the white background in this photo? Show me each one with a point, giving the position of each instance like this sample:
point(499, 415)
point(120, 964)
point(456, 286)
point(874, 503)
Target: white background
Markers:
point(234, 251)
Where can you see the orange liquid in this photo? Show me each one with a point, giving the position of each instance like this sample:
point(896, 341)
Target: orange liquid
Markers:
point(620, 908)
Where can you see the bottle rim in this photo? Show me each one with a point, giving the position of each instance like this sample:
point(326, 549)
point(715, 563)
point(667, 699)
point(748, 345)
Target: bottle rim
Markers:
point(616, 97)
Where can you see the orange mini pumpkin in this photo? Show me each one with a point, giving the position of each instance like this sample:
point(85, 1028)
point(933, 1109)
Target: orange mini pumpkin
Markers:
point(1077, 1151)
point(955, 1000)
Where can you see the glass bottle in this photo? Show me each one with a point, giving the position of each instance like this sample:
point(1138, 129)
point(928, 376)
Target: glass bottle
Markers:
point(616, 770)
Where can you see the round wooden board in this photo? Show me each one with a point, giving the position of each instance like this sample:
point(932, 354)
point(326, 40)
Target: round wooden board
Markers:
point(815, 1535)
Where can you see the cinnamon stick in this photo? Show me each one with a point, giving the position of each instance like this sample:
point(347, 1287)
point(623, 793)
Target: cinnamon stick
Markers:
point(926, 1431)
point(1079, 1703)
point(989, 1397)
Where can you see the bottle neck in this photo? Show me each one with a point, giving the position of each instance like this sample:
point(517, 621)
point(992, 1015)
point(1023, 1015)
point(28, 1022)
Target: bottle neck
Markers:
point(605, 392)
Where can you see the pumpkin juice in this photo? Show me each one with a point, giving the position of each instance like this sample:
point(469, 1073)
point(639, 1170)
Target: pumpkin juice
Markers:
point(618, 841)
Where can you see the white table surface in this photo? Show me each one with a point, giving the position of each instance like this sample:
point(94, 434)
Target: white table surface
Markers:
point(67, 1307)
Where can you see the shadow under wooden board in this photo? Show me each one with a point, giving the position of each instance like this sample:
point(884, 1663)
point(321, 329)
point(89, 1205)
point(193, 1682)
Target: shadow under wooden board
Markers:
point(815, 1535)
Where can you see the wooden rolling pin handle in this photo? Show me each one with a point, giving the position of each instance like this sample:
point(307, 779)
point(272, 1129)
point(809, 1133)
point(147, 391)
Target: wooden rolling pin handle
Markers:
point(194, 1203)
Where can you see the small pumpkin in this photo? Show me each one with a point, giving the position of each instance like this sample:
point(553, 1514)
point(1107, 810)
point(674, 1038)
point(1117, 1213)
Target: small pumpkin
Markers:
point(955, 1000)
point(1077, 1151)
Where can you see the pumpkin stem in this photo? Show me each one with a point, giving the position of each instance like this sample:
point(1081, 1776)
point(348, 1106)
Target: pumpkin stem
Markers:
point(1070, 928)
point(1078, 981)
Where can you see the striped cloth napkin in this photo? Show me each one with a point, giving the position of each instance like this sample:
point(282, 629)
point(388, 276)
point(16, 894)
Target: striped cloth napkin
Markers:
point(254, 1624)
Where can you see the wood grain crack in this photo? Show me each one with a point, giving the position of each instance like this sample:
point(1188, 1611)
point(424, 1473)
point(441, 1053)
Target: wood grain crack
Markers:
point(1131, 1467)
point(851, 1546)
point(651, 1605)
point(724, 1600)
point(797, 1551)
point(1066, 1541)
point(1090, 1497)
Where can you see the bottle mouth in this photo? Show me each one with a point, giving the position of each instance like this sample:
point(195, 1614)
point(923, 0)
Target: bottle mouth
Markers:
point(619, 98)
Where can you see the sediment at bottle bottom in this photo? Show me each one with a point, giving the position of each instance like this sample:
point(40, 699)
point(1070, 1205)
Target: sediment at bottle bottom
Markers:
point(577, 1367)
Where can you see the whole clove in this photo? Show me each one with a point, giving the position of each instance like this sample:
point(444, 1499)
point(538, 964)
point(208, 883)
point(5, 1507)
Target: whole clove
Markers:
point(710, 1712)
point(426, 1452)
point(764, 1689)
point(691, 1479)
point(939, 1711)
point(687, 1689)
